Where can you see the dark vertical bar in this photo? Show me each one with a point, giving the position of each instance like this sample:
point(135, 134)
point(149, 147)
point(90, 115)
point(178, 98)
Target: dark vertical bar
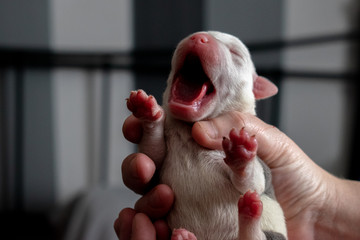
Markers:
point(3, 143)
point(354, 165)
point(19, 136)
point(7, 151)
point(275, 113)
point(161, 25)
point(276, 58)
point(354, 161)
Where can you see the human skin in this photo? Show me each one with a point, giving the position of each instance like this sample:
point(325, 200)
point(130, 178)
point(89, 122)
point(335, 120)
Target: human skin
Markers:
point(316, 204)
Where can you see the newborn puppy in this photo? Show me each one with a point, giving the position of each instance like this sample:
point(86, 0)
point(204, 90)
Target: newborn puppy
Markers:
point(218, 194)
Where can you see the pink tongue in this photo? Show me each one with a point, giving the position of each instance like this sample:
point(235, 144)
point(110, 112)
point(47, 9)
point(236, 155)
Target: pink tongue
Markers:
point(190, 92)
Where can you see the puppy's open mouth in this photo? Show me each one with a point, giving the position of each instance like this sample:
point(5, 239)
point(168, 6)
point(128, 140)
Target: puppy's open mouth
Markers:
point(191, 85)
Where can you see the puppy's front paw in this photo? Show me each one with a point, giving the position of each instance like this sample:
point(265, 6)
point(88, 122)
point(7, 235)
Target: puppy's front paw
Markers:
point(240, 149)
point(143, 106)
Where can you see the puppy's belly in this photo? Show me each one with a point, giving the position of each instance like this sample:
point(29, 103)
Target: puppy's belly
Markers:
point(205, 199)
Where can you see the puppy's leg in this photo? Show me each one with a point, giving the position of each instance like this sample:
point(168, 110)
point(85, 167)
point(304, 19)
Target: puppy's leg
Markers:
point(250, 209)
point(246, 171)
point(152, 115)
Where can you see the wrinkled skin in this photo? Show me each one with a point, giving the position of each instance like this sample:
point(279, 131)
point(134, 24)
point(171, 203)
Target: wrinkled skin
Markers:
point(302, 196)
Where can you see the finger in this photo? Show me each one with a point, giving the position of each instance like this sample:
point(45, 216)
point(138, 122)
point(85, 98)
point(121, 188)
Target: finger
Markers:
point(156, 203)
point(273, 144)
point(137, 172)
point(132, 129)
point(142, 228)
point(123, 224)
point(210, 133)
point(162, 230)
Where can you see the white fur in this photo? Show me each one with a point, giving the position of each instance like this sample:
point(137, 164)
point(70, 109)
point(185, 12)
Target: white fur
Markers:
point(254, 178)
point(205, 198)
point(206, 190)
point(272, 217)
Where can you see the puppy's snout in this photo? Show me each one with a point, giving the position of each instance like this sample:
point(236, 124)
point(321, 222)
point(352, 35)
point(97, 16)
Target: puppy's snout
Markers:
point(200, 38)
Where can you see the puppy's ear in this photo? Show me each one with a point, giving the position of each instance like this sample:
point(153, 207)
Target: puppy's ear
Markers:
point(263, 88)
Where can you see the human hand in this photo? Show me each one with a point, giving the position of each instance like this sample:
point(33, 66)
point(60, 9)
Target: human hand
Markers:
point(137, 224)
point(301, 186)
point(307, 193)
point(145, 220)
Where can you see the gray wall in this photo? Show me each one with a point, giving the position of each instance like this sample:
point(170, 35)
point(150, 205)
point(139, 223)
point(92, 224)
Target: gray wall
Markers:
point(24, 23)
point(89, 105)
point(57, 147)
point(62, 123)
point(29, 158)
point(317, 113)
point(253, 22)
point(160, 25)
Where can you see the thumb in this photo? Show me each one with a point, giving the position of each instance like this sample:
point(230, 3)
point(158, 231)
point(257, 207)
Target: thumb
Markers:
point(274, 145)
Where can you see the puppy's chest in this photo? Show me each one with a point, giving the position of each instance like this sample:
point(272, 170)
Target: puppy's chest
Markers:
point(193, 172)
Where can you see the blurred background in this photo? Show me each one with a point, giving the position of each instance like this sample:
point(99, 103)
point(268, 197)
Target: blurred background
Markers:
point(67, 66)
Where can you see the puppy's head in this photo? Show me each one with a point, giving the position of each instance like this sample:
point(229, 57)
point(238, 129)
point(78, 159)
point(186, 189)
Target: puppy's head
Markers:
point(212, 73)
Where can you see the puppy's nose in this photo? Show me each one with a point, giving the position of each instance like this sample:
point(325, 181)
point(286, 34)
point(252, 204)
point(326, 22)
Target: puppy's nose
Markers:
point(200, 38)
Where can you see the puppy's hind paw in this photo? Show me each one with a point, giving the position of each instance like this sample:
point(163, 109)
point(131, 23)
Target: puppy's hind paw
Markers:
point(182, 234)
